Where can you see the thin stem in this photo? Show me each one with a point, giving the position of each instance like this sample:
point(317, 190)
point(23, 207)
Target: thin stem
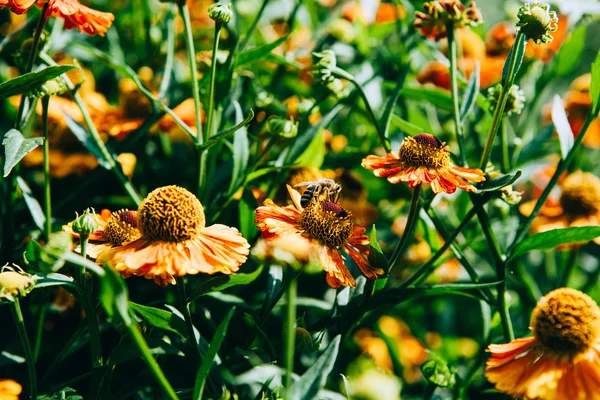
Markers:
point(291, 332)
point(185, 310)
point(560, 168)
point(39, 29)
point(168, 71)
point(413, 213)
point(83, 242)
point(39, 332)
point(211, 88)
point(499, 110)
point(47, 199)
point(29, 359)
point(95, 339)
point(453, 55)
point(142, 346)
point(246, 38)
point(504, 144)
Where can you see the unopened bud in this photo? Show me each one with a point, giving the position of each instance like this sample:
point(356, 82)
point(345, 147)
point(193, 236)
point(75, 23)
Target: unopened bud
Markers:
point(86, 223)
point(536, 21)
point(515, 101)
point(283, 127)
point(15, 283)
point(220, 13)
point(325, 63)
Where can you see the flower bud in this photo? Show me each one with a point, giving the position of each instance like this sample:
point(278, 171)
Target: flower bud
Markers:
point(14, 283)
point(264, 99)
point(339, 90)
point(510, 196)
point(325, 63)
point(220, 13)
point(436, 15)
point(52, 87)
point(536, 21)
point(514, 102)
point(283, 127)
point(87, 223)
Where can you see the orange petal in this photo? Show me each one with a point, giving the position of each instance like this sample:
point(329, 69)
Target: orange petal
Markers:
point(333, 263)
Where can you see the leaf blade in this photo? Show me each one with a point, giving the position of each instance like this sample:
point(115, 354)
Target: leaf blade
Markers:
point(561, 123)
point(16, 146)
point(32, 80)
point(556, 237)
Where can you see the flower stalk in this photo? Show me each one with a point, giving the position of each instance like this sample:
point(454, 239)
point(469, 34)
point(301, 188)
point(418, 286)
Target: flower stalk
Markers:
point(500, 108)
point(29, 359)
point(290, 339)
point(453, 55)
point(413, 213)
point(47, 199)
point(187, 316)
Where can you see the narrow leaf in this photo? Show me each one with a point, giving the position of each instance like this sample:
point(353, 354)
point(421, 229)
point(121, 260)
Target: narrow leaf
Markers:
point(213, 349)
point(499, 183)
point(53, 279)
point(471, 93)
point(308, 386)
point(561, 123)
point(32, 80)
point(160, 318)
point(222, 282)
point(16, 147)
point(241, 149)
point(407, 127)
point(557, 237)
point(437, 97)
point(32, 204)
point(273, 288)
point(314, 154)
point(595, 85)
point(258, 53)
point(569, 55)
point(222, 135)
point(519, 48)
point(86, 139)
point(113, 297)
point(388, 112)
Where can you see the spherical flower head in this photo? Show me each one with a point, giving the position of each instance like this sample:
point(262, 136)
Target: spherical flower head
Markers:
point(581, 194)
point(121, 227)
point(436, 15)
point(171, 214)
point(514, 103)
point(327, 222)
point(15, 283)
point(87, 223)
point(566, 322)
point(325, 63)
point(536, 21)
point(220, 13)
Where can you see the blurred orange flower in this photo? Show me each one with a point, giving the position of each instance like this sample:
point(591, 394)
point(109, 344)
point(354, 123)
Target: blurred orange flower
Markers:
point(75, 15)
point(561, 360)
point(9, 389)
point(424, 159)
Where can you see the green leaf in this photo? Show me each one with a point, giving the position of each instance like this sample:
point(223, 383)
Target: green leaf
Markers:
point(346, 387)
point(258, 53)
point(314, 154)
point(114, 298)
point(377, 259)
point(308, 386)
point(273, 288)
point(407, 127)
point(125, 352)
point(246, 206)
point(519, 48)
point(499, 183)
point(53, 279)
point(569, 55)
point(16, 147)
point(88, 142)
point(241, 149)
point(557, 237)
point(222, 282)
point(213, 349)
point(32, 80)
point(222, 135)
point(160, 318)
point(32, 204)
point(561, 123)
point(388, 111)
point(470, 95)
point(595, 85)
point(438, 372)
point(437, 97)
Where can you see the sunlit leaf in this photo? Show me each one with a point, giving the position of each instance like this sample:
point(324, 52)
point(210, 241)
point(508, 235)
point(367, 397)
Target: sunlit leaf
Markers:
point(561, 123)
point(377, 259)
point(388, 111)
point(556, 237)
point(241, 149)
point(114, 297)
point(222, 282)
point(407, 127)
point(259, 53)
point(88, 142)
point(16, 147)
point(470, 96)
point(569, 54)
point(519, 49)
point(32, 80)
point(436, 97)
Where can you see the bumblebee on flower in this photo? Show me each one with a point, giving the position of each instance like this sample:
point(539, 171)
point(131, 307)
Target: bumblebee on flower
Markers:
point(325, 226)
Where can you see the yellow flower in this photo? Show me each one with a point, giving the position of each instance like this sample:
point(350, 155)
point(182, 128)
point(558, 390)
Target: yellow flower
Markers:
point(175, 240)
point(326, 227)
point(561, 360)
point(9, 389)
point(424, 159)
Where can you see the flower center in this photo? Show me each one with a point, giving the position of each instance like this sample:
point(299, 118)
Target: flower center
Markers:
point(327, 222)
point(170, 214)
point(566, 322)
point(424, 150)
point(581, 194)
point(121, 227)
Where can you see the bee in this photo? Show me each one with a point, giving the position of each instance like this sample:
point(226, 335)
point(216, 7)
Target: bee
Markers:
point(324, 187)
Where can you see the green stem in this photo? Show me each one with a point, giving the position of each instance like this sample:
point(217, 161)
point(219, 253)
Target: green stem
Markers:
point(568, 268)
point(29, 359)
point(499, 110)
point(413, 214)
point(187, 316)
point(47, 199)
point(142, 346)
point(95, 339)
point(453, 55)
point(39, 332)
point(39, 29)
point(95, 136)
point(211, 88)
point(340, 73)
point(168, 71)
point(504, 144)
point(291, 332)
point(83, 242)
point(244, 41)
point(560, 168)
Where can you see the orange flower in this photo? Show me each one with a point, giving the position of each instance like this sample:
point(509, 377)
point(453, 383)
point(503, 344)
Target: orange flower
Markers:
point(500, 38)
point(424, 159)
point(175, 240)
point(578, 102)
point(578, 205)
point(76, 15)
point(387, 12)
point(561, 360)
point(326, 227)
point(186, 111)
point(9, 389)
point(114, 229)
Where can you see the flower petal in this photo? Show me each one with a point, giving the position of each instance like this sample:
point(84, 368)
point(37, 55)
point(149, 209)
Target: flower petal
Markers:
point(333, 263)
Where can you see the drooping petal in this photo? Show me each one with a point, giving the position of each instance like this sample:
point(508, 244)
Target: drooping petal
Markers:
point(362, 261)
point(275, 221)
point(17, 6)
point(223, 248)
point(78, 16)
point(333, 264)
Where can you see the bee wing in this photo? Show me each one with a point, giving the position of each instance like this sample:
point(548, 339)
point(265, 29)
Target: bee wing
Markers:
point(304, 184)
